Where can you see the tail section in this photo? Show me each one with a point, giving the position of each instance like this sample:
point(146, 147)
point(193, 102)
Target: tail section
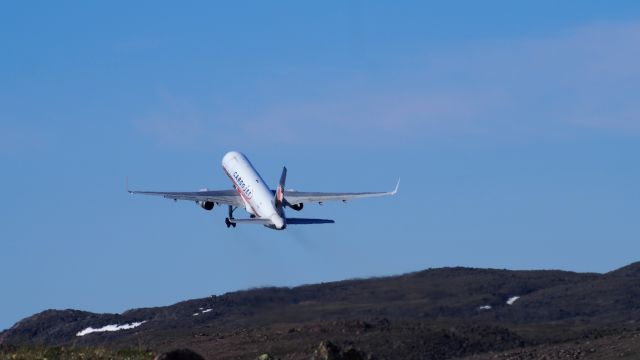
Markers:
point(279, 198)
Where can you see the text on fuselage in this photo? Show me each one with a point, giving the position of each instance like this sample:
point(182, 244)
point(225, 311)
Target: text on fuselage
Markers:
point(243, 186)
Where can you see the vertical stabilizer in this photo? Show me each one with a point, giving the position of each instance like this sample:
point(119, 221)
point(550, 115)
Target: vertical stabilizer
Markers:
point(279, 198)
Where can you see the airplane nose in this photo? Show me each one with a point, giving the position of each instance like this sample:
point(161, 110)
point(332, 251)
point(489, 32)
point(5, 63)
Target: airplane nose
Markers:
point(231, 155)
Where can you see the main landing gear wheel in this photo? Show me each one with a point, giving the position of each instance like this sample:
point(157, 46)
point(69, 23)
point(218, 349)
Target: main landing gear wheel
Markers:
point(228, 220)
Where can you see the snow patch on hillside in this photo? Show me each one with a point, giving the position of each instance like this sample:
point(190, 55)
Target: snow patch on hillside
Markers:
point(113, 327)
point(202, 311)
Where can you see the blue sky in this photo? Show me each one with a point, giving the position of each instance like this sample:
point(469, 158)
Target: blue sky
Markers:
point(515, 127)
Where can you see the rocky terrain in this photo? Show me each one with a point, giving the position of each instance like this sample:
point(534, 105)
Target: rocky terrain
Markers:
point(432, 314)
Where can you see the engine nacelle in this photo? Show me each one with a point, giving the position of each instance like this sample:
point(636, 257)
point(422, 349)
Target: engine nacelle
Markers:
point(207, 205)
point(297, 207)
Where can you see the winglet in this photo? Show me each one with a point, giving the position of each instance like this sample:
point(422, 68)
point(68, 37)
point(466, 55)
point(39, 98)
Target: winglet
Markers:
point(397, 187)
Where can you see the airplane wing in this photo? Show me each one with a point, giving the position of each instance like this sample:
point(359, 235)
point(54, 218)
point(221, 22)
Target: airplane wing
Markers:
point(298, 197)
point(227, 197)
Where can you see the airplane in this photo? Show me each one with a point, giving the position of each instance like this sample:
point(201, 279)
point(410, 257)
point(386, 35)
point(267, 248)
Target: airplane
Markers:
point(265, 206)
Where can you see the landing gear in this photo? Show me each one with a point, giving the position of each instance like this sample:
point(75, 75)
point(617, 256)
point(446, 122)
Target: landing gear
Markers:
point(227, 221)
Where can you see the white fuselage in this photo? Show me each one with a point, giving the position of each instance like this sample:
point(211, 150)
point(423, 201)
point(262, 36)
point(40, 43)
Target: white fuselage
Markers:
point(255, 194)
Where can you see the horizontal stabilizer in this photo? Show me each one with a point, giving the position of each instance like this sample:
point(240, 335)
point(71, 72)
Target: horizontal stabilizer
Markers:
point(299, 221)
point(256, 221)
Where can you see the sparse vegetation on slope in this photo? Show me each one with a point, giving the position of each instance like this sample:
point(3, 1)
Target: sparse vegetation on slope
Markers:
point(432, 314)
point(70, 353)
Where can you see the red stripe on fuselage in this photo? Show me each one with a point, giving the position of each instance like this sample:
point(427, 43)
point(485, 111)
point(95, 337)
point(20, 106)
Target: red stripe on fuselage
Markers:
point(242, 195)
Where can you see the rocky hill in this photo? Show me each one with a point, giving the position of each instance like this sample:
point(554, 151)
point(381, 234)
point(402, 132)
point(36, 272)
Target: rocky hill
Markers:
point(436, 313)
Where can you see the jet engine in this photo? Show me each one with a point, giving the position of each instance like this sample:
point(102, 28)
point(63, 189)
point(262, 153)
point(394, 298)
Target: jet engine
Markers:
point(207, 205)
point(297, 207)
